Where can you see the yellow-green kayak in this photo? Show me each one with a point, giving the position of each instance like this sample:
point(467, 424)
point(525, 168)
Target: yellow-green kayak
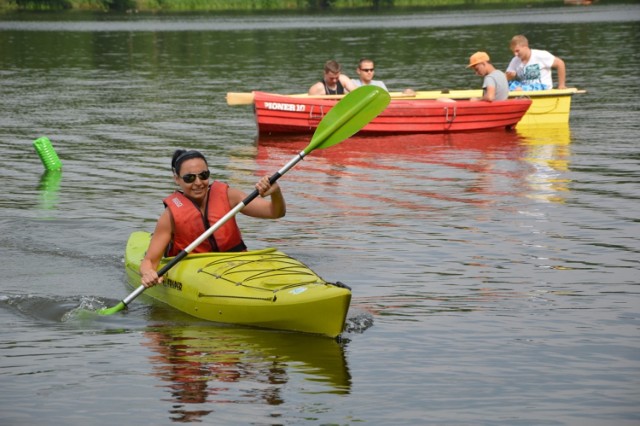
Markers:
point(262, 288)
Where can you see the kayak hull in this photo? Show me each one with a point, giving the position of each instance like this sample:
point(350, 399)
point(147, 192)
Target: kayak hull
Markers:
point(262, 288)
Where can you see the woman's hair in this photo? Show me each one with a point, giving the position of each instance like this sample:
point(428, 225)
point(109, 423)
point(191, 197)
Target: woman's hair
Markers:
point(181, 155)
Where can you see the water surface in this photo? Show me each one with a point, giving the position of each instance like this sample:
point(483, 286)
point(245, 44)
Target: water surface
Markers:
point(495, 274)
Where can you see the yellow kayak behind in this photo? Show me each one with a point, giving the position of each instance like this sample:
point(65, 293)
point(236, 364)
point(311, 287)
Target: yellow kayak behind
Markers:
point(262, 288)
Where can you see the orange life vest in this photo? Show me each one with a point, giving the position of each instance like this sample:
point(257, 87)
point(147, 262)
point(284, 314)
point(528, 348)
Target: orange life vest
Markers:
point(189, 223)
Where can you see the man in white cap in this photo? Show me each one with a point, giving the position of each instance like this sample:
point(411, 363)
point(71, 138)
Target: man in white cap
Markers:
point(495, 86)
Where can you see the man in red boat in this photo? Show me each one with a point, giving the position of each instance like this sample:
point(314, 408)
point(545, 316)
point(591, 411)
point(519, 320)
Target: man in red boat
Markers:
point(366, 70)
point(333, 82)
point(196, 206)
point(495, 86)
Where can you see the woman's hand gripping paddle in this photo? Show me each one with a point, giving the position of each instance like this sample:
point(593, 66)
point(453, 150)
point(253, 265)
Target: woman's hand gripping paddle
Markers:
point(344, 120)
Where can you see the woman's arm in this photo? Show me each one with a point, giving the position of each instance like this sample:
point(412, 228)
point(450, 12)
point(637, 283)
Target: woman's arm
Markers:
point(273, 208)
point(159, 242)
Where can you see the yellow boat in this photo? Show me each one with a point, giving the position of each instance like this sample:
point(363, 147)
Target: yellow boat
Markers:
point(262, 288)
point(547, 107)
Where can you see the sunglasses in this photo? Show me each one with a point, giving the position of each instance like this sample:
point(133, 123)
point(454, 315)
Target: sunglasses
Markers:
point(367, 69)
point(190, 177)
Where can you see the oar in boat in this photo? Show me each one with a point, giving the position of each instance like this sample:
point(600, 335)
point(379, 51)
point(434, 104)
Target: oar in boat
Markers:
point(246, 98)
point(345, 119)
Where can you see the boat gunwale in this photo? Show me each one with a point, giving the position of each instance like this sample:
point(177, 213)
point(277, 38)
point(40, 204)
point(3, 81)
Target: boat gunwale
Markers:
point(461, 94)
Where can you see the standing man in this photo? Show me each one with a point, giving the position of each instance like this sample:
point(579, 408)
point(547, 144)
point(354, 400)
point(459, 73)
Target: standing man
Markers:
point(333, 82)
point(495, 86)
point(530, 69)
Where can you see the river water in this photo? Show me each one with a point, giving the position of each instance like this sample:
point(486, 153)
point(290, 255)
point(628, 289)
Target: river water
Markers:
point(494, 275)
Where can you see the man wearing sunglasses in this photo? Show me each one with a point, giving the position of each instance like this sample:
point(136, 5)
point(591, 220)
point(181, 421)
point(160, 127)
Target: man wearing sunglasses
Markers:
point(366, 71)
point(198, 205)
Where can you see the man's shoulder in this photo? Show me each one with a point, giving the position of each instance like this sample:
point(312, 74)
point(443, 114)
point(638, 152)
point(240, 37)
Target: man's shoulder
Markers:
point(540, 54)
point(497, 77)
point(539, 51)
point(379, 83)
point(319, 86)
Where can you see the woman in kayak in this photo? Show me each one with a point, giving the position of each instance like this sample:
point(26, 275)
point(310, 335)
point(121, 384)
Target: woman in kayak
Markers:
point(196, 206)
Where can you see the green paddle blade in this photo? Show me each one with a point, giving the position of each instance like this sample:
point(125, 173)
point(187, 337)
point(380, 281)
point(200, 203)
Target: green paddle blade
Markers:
point(110, 311)
point(349, 116)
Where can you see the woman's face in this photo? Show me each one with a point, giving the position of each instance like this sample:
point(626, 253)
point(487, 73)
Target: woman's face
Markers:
point(196, 190)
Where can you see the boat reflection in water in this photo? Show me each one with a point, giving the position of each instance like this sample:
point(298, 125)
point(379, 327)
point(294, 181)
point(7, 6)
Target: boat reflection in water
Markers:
point(548, 152)
point(428, 148)
point(416, 166)
point(529, 161)
point(203, 365)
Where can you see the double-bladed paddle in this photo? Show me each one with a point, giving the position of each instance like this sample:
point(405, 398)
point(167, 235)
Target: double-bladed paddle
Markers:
point(344, 120)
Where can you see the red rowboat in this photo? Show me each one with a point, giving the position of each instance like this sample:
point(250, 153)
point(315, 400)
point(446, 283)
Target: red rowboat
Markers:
point(292, 114)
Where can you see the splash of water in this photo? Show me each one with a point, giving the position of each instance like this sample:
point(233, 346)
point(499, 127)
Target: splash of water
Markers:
point(359, 323)
point(86, 309)
point(52, 309)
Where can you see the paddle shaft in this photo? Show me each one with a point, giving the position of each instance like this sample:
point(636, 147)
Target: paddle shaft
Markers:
point(231, 213)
